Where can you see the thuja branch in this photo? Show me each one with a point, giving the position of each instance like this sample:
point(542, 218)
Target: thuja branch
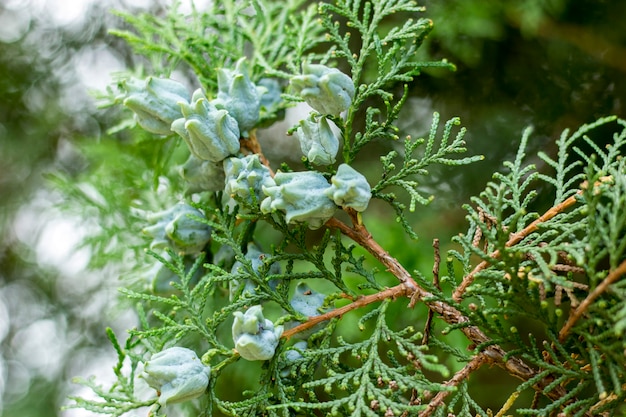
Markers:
point(409, 287)
point(476, 362)
point(580, 310)
point(514, 239)
point(448, 313)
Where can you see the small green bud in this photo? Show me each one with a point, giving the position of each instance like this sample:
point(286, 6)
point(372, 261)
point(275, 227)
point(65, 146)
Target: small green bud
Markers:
point(177, 374)
point(242, 176)
point(176, 229)
point(301, 196)
point(201, 175)
point(211, 134)
point(349, 188)
point(239, 96)
point(317, 140)
point(327, 90)
point(155, 102)
point(255, 337)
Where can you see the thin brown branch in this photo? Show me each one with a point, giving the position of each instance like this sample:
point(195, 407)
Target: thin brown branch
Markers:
point(604, 285)
point(398, 290)
point(476, 362)
point(429, 319)
point(514, 366)
point(362, 236)
point(436, 263)
point(514, 239)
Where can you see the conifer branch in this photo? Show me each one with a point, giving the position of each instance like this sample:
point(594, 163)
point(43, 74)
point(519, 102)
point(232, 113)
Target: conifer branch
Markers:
point(450, 314)
point(580, 310)
point(514, 239)
point(215, 269)
point(476, 362)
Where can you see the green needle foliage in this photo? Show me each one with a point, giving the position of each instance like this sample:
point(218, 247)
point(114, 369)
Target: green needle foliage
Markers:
point(220, 255)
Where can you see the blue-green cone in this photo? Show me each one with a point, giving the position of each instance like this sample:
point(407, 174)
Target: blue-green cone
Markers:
point(349, 188)
point(327, 90)
point(155, 102)
point(317, 140)
point(239, 96)
point(300, 195)
point(211, 134)
point(255, 337)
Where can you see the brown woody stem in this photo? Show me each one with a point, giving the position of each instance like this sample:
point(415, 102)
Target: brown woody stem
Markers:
point(476, 362)
point(582, 307)
point(392, 292)
point(448, 313)
point(514, 239)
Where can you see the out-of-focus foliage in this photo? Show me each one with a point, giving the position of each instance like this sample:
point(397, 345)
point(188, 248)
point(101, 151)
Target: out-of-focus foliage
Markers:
point(552, 64)
point(50, 55)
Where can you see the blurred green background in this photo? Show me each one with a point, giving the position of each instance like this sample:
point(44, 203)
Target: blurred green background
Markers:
point(553, 64)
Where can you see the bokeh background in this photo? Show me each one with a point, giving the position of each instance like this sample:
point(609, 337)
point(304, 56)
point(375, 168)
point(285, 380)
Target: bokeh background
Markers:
point(552, 64)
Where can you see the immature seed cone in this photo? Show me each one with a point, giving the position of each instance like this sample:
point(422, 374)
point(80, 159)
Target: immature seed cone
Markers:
point(239, 96)
point(211, 134)
point(317, 140)
point(255, 337)
point(155, 102)
point(327, 90)
point(301, 196)
point(177, 374)
point(349, 188)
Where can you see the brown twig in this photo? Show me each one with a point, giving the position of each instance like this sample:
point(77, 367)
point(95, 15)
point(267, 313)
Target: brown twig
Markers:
point(362, 236)
point(398, 290)
point(514, 239)
point(580, 310)
point(429, 319)
point(476, 362)
point(514, 366)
